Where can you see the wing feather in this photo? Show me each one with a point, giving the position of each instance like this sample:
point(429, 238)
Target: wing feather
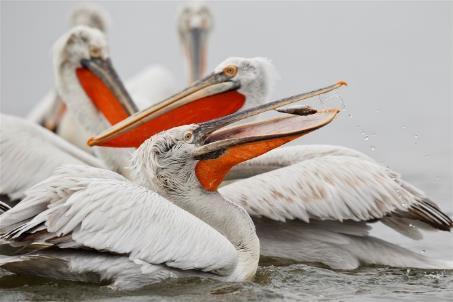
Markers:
point(290, 155)
point(29, 154)
point(335, 188)
point(108, 213)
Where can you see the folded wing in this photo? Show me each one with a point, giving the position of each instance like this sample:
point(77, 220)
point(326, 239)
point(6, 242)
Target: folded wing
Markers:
point(29, 153)
point(338, 188)
point(99, 209)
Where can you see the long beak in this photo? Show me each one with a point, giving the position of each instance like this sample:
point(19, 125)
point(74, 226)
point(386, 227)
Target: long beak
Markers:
point(213, 97)
point(225, 148)
point(195, 44)
point(221, 148)
point(211, 126)
point(103, 86)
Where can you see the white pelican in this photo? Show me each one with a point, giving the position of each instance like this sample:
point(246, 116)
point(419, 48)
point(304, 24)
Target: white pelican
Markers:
point(151, 85)
point(51, 112)
point(323, 198)
point(85, 78)
point(148, 87)
point(96, 98)
point(92, 224)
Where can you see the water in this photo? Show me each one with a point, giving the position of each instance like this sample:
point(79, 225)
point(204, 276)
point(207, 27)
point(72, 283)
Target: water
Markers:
point(297, 282)
point(277, 280)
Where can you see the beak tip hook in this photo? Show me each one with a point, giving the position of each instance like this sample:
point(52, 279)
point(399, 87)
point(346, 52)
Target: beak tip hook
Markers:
point(342, 83)
point(91, 142)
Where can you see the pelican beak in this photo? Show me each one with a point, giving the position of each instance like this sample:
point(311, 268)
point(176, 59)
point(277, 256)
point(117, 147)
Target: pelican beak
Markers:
point(195, 48)
point(103, 86)
point(212, 97)
point(220, 148)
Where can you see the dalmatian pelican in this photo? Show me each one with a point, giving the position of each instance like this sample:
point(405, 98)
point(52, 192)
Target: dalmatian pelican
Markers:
point(92, 224)
point(96, 98)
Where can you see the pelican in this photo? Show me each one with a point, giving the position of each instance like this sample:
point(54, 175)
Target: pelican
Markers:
point(314, 203)
point(51, 112)
point(92, 224)
point(153, 84)
point(96, 98)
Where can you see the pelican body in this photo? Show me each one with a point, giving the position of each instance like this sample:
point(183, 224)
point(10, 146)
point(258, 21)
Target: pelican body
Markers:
point(95, 96)
point(94, 221)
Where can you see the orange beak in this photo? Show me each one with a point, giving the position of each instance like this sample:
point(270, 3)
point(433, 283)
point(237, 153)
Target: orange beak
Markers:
point(244, 142)
point(213, 97)
point(221, 148)
point(101, 83)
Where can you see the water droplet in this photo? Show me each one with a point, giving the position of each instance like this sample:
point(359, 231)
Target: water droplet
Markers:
point(343, 104)
point(415, 136)
point(403, 127)
point(366, 137)
point(373, 148)
point(411, 225)
point(349, 115)
point(423, 251)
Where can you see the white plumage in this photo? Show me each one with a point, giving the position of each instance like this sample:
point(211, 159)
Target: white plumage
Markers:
point(84, 207)
point(340, 245)
point(304, 190)
point(30, 153)
point(68, 51)
point(86, 14)
point(99, 209)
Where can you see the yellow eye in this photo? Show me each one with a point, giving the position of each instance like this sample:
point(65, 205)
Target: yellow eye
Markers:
point(188, 136)
point(230, 70)
point(95, 52)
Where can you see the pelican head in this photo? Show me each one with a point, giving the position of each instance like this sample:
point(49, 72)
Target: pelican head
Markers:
point(256, 77)
point(189, 158)
point(195, 22)
point(232, 85)
point(83, 69)
point(91, 15)
point(87, 14)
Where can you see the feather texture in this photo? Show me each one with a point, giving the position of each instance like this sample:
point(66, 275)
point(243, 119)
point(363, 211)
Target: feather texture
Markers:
point(101, 210)
point(334, 188)
point(30, 153)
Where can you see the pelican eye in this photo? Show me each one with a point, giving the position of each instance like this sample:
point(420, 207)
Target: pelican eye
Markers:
point(95, 52)
point(188, 136)
point(230, 70)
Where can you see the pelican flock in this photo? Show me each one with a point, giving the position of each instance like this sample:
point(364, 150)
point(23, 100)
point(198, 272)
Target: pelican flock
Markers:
point(124, 183)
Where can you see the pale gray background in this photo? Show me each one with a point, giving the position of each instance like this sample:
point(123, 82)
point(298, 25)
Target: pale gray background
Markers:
point(397, 58)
